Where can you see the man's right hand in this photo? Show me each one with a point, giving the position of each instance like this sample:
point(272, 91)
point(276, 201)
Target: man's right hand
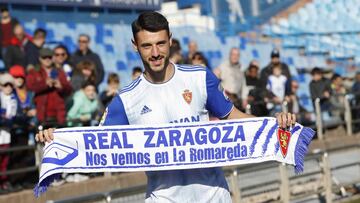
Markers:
point(45, 135)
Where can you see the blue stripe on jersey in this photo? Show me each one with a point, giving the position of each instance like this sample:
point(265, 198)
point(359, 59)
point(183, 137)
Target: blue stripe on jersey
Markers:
point(192, 70)
point(131, 86)
point(190, 67)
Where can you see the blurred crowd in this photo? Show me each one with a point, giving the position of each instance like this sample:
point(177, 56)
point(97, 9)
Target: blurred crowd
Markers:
point(54, 88)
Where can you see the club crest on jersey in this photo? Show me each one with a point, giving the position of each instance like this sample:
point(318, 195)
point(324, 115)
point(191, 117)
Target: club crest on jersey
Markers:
point(284, 140)
point(187, 95)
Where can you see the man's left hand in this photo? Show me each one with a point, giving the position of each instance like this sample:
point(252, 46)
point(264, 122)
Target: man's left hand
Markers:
point(286, 120)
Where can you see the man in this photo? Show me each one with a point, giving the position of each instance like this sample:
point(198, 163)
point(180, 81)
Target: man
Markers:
point(233, 79)
point(33, 47)
point(85, 53)
point(267, 71)
point(6, 30)
point(50, 87)
point(160, 88)
point(15, 53)
point(192, 49)
point(60, 60)
point(320, 87)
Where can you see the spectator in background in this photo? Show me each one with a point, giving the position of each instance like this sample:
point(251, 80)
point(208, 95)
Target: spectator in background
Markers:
point(252, 75)
point(33, 47)
point(192, 49)
point(15, 53)
point(6, 30)
point(295, 107)
point(111, 90)
point(61, 60)
point(8, 111)
point(175, 52)
point(84, 53)
point(275, 61)
point(199, 59)
point(24, 129)
point(276, 85)
point(136, 72)
point(320, 87)
point(233, 79)
point(337, 95)
point(50, 87)
point(84, 107)
point(85, 71)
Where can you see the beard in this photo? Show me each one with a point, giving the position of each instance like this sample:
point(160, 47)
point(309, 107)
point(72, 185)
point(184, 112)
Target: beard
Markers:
point(148, 67)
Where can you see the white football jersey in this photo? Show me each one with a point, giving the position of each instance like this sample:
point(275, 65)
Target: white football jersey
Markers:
point(189, 96)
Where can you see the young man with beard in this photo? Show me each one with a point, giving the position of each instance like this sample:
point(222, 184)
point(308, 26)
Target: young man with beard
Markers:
point(157, 96)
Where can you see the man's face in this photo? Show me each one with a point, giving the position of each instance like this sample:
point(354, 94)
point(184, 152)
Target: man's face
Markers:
point(39, 39)
point(46, 61)
point(317, 76)
point(192, 46)
point(275, 60)
point(154, 49)
point(19, 82)
point(60, 56)
point(234, 56)
point(5, 15)
point(83, 43)
point(253, 72)
point(19, 32)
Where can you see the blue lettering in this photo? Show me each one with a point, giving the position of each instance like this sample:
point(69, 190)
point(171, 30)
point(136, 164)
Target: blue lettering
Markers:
point(89, 159)
point(186, 120)
point(239, 134)
point(103, 141)
point(195, 119)
point(174, 136)
point(228, 130)
point(214, 135)
point(188, 138)
point(162, 139)
point(126, 144)
point(115, 141)
point(150, 135)
point(89, 139)
point(200, 138)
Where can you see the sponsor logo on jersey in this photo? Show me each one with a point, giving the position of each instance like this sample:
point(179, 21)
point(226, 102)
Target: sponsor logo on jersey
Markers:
point(187, 95)
point(284, 140)
point(145, 110)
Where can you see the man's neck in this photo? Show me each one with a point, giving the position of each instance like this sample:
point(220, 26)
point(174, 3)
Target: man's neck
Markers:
point(162, 76)
point(84, 52)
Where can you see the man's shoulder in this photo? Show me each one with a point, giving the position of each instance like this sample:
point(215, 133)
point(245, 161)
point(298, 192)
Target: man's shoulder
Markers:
point(131, 88)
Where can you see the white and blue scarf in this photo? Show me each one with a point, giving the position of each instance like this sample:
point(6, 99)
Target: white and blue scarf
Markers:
point(171, 146)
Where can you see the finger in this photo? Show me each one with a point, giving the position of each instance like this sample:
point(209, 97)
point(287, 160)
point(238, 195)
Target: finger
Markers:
point(37, 137)
point(46, 135)
point(41, 136)
point(289, 119)
point(293, 119)
point(284, 118)
point(278, 118)
point(51, 133)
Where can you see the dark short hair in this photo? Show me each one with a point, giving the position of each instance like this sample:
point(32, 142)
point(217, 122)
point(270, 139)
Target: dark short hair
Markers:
point(150, 21)
point(40, 31)
point(85, 35)
point(4, 9)
point(136, 69)
point(87, 83)
point(113, 77)
point(335, 76)
point(316, 70)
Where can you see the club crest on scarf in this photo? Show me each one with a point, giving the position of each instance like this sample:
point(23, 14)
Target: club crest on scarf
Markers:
point(187, 95)
point(284, 140)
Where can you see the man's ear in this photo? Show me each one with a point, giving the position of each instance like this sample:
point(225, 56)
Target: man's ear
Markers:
point(134, 45)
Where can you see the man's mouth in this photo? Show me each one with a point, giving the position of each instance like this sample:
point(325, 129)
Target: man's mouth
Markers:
point(157, 61)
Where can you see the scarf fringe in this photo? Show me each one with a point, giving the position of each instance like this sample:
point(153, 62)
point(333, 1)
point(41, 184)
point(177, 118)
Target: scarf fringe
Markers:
point(43, 185)
point(301, 148)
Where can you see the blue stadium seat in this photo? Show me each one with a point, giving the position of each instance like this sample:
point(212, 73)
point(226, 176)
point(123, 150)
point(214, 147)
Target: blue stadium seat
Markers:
point(120, 65)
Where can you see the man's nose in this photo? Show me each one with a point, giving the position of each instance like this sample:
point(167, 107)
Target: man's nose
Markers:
point(155, 51)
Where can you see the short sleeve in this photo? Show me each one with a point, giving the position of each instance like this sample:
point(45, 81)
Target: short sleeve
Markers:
point(217, 103)
point(115, 113)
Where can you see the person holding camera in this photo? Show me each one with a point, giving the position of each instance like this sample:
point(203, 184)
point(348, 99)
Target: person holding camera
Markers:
point(50, 87)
